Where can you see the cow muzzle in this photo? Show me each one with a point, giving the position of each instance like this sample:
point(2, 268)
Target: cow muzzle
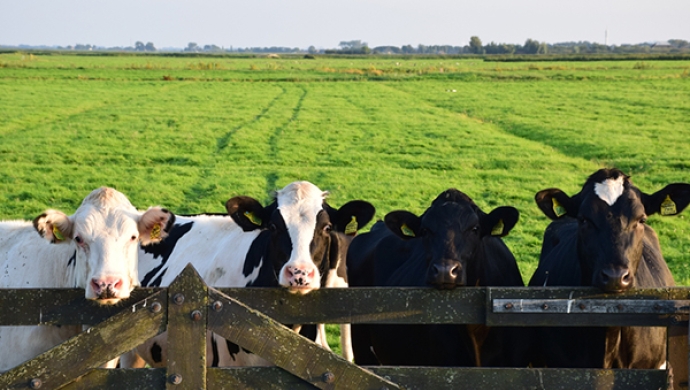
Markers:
point(446, 275)
point(109, 290)
point(614, 280)
point(300, 279)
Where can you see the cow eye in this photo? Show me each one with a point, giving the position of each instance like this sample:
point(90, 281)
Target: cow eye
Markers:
point(272, 227)
point(327, 228)
point(134, 237)
point(79, 240)
point(475, 229)
point(643, 220)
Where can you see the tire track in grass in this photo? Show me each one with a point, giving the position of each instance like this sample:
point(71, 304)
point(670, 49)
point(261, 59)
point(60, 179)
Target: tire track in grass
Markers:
point(224, 141)
point(530, 136)
point(199, 189)
point(272, 177)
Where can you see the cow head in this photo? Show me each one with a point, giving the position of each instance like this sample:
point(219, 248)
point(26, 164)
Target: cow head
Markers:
point(611, 214)
point(302, 228)
point(106, 230)
point(450, 232)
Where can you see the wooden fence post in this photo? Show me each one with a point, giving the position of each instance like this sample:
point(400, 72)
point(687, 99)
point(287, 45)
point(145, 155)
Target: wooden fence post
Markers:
point(187, 316)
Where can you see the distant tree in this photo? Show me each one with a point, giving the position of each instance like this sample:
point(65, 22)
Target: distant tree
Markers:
point(149, 46)
point(531, 47)
point(212, 48)
point(192, 46)
point(679, 43)
point(312, 50)
point(476, 45)
point(543, 48)
point(408, 49)
point(139, 46)
point(352, 45)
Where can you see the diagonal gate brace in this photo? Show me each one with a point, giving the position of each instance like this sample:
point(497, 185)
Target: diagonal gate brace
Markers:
point(91, 348)
point(286, 349)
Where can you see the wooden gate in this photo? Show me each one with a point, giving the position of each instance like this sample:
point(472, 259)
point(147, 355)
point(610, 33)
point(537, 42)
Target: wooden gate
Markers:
point(252, 317)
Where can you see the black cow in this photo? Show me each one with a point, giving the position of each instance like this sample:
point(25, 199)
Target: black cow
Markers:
point(599, 237)
point(452, 244)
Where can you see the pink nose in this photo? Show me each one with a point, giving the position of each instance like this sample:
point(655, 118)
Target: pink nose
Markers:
point(106, 288)
point(299, 276)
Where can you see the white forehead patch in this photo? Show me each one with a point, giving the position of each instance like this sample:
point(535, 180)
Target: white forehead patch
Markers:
point(610, 190)
point(301, 200)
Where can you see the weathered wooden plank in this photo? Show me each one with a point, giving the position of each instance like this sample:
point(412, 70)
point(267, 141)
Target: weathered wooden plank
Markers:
point(120, 379)
point(91, 348)
point(439, 378)
point(422, 378)
point(588, 306)
point(407, 305)
point(187, 317)
point(260, 378)
point(57, 306)
point(286, 349)
point(505, 310)
point(371, 305)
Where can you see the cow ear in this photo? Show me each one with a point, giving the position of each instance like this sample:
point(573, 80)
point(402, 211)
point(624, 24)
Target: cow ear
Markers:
point(499, 222)
point(55, 226)
point(403, 224)
point(555, 203)
point(247, 212)
point(352, 216)
point(671, 200)
point(154, 225)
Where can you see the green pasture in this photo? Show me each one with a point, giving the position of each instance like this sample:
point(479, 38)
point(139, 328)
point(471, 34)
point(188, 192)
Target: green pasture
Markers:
point(187, 133)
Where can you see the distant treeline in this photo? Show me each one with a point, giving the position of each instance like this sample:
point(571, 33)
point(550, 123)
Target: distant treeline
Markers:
point(357, 47)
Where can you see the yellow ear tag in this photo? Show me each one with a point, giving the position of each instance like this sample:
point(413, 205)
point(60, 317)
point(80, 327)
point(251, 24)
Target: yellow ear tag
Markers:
point(351, 227)
point(668, 207)
point(498, 229)
point(558, 209)
point(58, 234)
point(252, 218)
point(156, 231)
point(406, 230)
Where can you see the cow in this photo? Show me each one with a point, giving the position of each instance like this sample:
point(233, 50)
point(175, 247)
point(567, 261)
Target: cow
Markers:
point(599, 237)
point(297, 242)
point(452, 244)
point(95, 249)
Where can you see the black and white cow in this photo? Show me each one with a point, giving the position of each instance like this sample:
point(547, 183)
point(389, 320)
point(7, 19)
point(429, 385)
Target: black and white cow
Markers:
point(297, 242)
point(452, 244)
point(599, 237)
point(96, 248)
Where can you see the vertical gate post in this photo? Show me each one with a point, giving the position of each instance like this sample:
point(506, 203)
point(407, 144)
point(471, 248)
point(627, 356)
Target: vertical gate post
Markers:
point(677, 342)
point(677, 345)
point(187, 315)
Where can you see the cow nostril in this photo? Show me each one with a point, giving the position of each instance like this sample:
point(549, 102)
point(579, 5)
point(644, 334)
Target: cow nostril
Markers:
point(604, 277)
point(454, 271)
point(626, 279)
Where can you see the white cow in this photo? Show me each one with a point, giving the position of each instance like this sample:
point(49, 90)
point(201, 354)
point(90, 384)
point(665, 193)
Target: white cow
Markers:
point(297, 242)
point(96, 249)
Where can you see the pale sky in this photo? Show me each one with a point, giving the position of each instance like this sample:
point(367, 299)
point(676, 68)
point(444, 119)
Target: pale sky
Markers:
point(325, 23)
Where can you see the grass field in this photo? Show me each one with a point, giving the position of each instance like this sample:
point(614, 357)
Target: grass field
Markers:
point(187, 133)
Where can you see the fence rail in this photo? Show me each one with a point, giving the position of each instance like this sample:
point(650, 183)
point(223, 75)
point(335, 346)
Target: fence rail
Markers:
point(251, 317)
